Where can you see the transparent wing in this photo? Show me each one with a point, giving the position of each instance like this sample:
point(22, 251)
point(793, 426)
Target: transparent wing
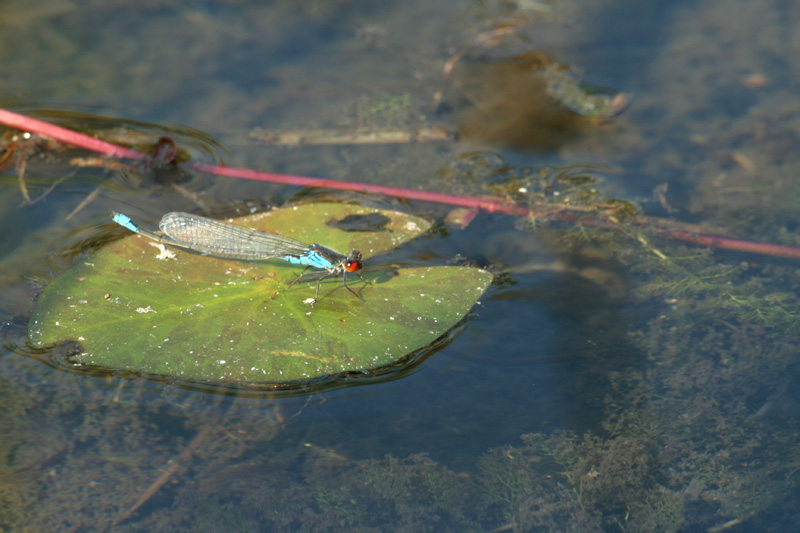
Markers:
point(226, 240)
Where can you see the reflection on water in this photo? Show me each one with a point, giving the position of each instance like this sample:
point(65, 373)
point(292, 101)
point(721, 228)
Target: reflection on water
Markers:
point(609, 380)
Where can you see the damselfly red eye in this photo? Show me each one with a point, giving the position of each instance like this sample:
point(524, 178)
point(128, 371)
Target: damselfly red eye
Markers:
point(352, 265)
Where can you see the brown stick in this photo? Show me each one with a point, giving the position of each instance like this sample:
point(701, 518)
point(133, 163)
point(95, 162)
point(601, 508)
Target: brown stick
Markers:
point(171, 469)
point(355, 136)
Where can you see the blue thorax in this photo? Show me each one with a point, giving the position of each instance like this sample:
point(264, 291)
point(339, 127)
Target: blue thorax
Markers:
point(316, 256)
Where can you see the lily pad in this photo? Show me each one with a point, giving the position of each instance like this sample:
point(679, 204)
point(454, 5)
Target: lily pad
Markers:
point(132, 307)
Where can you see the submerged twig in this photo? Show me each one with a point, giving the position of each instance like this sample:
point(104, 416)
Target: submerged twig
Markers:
point(86, 201)
point(30, 201)
point(22, 163)
point(183, 457)
point(108, 164)
point(16, 149)
point(354, 136)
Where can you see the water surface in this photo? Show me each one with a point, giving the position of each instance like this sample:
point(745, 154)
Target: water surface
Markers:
point(609, 380)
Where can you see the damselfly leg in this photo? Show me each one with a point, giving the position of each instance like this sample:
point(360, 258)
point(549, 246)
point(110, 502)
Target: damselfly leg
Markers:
point(325, 276)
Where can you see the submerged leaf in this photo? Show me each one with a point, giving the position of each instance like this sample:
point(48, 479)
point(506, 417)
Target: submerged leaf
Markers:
point(204, 318)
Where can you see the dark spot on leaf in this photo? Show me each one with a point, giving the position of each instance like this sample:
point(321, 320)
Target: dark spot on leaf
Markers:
point(369, 222)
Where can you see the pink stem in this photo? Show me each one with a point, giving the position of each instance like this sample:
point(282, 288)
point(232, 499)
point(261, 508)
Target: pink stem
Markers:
point(23, 123)
point(449, 199)
point(717, 241)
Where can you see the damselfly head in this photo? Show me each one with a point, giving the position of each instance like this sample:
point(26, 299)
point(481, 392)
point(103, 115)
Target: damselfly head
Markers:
point(353, 262)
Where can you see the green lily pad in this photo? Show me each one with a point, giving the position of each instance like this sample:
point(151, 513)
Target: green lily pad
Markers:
point(204, 318)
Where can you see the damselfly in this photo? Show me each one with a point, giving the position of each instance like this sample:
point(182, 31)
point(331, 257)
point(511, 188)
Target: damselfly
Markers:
point(229, 241)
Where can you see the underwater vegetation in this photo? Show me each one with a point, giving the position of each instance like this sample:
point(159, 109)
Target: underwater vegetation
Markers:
point(696, 430)
point(697, 433)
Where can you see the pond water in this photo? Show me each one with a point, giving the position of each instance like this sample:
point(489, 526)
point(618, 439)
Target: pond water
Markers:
point(610, 379)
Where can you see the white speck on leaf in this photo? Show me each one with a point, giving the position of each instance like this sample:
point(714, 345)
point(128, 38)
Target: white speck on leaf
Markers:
point(164, 252)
